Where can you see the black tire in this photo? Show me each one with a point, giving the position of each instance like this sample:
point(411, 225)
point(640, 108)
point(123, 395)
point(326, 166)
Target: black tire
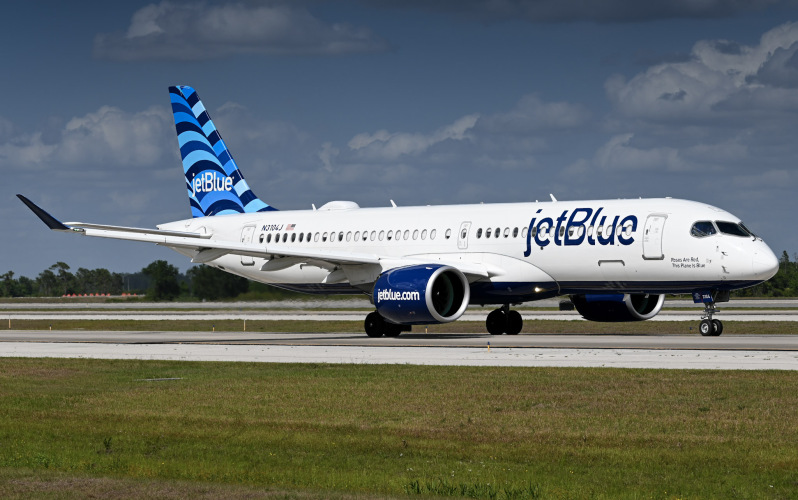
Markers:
point(514, 323)
point(374, 325)
point(717, 327)
point(496, 322)
point(392, 329)
point(706, 328)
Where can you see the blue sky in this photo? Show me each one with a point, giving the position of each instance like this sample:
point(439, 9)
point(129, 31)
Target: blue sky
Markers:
point(419, 102)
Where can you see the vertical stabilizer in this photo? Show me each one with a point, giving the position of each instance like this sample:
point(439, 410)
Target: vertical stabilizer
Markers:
point(215, 184)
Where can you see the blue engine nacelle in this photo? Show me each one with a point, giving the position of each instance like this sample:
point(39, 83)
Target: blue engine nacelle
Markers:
point(423, 294)
point(616, 307)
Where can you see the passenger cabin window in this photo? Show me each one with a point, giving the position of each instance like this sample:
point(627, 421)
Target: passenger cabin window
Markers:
point(268, 238)
point(702, 228)
point(448, 234)
point(498, 232)
point(479, 233)
point(488, 232)
point(515, 232)
point(285, 237)
point(432, 234)
point(293, 237)
point(506, 232)
point(732, 229)
point(424, 234)
point(261, 238)
point(406, 236)
point(390, 235)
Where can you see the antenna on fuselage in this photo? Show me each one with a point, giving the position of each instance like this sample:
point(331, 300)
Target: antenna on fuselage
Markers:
point(314, 206)
point(393, 204)
point(552, 197)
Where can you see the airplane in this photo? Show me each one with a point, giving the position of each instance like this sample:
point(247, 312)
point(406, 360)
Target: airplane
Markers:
point(616, 260)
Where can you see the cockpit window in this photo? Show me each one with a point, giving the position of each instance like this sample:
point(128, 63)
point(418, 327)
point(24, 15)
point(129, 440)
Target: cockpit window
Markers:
point(703, 228)
point(747, 230)
point(732, 228)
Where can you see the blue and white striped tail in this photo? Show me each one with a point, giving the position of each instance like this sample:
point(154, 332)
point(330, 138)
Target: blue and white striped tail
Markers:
point(215, 184)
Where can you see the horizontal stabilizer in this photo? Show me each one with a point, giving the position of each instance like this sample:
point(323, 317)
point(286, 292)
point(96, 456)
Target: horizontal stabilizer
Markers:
point(48, 219)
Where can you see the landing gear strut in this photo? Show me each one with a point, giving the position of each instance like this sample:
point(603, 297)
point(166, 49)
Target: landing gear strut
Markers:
point(503, 320)
point(710, 327)
point(376, 326)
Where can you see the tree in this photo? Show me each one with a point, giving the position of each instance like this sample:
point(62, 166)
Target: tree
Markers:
point(46, 283)
point(164, 284)
point(8, 285)
point(212, 284)
point(65, 281)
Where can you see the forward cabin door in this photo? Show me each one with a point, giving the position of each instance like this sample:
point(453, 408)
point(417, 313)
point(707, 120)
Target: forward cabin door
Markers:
point(462, 236)
point(652, 237)
point(246, 237)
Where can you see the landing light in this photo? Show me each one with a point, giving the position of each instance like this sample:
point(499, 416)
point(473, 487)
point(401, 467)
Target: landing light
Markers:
point(538, 289)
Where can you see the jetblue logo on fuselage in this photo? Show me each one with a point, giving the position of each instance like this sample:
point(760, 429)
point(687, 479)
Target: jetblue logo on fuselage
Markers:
point(573, 229)
point(211, 181)
point(387, 294)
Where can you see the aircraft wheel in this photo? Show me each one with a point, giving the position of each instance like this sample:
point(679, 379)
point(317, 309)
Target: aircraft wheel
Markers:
point(392, 330)
point(717, 327)
point(706, 328)
point(514, 323)
point(374, 325)
point(496, 322)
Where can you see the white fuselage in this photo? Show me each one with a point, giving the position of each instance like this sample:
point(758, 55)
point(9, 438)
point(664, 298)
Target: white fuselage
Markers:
point(527, 251)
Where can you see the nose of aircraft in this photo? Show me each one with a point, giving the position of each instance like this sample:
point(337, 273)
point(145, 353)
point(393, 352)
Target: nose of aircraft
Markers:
point(765, 263)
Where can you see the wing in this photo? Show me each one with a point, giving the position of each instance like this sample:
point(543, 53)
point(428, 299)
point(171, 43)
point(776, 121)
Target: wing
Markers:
point(204, 248)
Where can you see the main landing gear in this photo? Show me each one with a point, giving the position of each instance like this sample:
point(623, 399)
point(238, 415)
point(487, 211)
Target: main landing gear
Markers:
point(710, 327)
point(376, 326)
point(503, 320)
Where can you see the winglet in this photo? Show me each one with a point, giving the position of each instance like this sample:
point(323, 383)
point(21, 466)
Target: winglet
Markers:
point(48, 219)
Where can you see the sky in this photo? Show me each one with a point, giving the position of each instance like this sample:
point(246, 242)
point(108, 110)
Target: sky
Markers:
point(421, 102)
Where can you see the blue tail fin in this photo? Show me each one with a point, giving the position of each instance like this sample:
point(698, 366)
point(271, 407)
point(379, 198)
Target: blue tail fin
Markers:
point(215, 184)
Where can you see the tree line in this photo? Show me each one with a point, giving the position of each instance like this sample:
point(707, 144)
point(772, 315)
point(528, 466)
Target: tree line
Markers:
point(163, 281)
point(157, 281)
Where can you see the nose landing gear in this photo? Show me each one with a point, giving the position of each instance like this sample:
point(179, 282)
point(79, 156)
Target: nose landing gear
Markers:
point(503, 320)
point(710, 327)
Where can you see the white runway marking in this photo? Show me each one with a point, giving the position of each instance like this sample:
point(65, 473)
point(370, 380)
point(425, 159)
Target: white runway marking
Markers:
point(462, 356)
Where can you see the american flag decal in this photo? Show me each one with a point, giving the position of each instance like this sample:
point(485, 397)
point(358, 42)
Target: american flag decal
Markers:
point(290, 227)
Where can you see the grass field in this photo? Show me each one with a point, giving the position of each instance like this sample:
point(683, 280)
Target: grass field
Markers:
point(530, 327)
point(116, 429)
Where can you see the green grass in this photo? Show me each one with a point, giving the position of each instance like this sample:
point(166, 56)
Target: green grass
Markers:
point(530, 327)
point(89, 428)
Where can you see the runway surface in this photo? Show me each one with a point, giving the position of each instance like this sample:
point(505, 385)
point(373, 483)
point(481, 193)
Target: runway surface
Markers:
point(311, 315)
point(747, 352)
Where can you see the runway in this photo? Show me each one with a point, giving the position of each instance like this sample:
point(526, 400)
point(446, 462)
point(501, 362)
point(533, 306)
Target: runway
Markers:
point(728, 352)
point(322, 315)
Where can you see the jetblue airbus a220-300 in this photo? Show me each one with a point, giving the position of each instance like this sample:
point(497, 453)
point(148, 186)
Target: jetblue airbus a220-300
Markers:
point(616, 259)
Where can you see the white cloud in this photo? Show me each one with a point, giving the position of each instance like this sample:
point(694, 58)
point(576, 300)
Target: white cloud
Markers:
point(721, 80)
point(533, 115)
point(108, 137)
point(384, 145)
point(619, 154)
point(198, 31)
